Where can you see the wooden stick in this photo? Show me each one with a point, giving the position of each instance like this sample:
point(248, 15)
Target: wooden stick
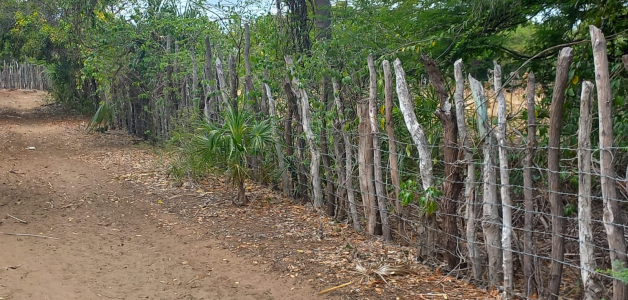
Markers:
point(33, 235)
point(335, 288)
point(19, 220)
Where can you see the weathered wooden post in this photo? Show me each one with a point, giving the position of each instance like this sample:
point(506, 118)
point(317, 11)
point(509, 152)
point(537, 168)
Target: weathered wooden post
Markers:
point(553, 158)
point(504, 182)
point(613, 222)
point(585, 228)
point(490, 207)
point(377, 153)
point(348, 181)
point(309, 135)
point(392, 149)
point(418, 136)
point(464, 142)
point(528, 234)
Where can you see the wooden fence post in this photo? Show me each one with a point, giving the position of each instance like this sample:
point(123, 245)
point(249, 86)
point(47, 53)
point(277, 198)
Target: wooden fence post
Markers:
point(613, 222)
point(377, 153)
point(585, 229)
point(553, 158)
point(528, 227)
point(463, 142)
point(392, 149)
point(222, 84)
point(416, 130)
point(490, 207)
point(418, 136)
point(452, 185)
point(309, 135)
point(248, 79)
point(280, 158)
point(193, 89)
point(504, 182)
point(209, 87)
point(348, 180)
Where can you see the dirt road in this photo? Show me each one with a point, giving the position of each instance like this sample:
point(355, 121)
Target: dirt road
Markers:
point(97, 237)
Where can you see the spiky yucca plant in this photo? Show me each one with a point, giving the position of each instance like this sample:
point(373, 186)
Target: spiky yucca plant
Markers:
point(228, 145)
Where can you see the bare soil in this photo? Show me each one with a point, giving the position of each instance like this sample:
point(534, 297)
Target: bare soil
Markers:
point(108, 244)
point(105, 221)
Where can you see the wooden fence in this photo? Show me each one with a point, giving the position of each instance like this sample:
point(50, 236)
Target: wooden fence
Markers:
point(17, 75)
point(505, 225)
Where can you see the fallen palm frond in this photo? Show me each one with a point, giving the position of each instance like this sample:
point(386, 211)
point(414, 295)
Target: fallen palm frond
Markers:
point(383, 269)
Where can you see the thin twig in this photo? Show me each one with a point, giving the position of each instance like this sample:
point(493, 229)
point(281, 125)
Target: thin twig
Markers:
point(19, 220)
point(335, 288)
point(32, 235)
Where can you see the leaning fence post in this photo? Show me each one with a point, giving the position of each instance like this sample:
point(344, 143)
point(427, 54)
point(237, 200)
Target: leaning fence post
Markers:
point(418, 136)
point(613, 222)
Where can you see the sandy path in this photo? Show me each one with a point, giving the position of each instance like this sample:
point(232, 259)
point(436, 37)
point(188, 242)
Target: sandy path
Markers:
point(109, 244)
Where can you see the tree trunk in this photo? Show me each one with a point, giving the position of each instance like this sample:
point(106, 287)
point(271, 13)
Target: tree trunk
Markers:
point(528, 234)
point(613, 221)
point(392, 150)
point(490, 207)
point(453, 183)
point(377, 153)
point(505, 183)
point(305, 119)
point(280, 159)
point(463, 140)
point(585, 233)
point(348, 179)
point(553, 157)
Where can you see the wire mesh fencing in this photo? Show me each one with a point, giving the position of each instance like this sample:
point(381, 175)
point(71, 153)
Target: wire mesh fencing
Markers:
point(532, 218)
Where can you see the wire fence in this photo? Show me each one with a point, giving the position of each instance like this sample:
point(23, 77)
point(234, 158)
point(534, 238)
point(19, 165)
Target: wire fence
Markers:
point(419, 224)
point(535, 219)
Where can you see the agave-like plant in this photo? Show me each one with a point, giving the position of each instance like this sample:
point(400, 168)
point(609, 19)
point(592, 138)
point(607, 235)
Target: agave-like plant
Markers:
point(228, 145)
